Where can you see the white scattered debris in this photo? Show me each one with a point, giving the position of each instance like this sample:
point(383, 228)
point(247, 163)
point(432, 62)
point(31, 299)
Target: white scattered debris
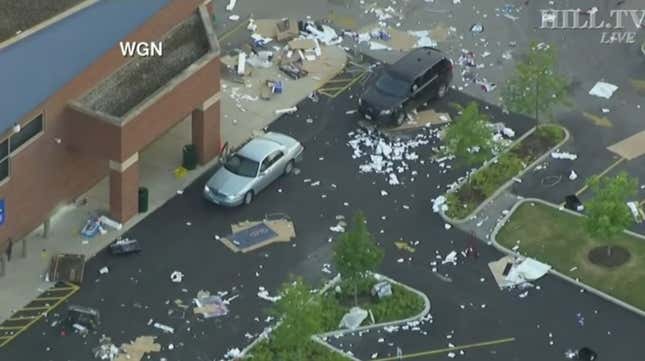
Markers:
point(353, 319)
point(164, 328)
point(573, 176)
point(241, 63)
point(234, 17)
point(264, 294)
point(383, 193)
point(231, 5)
point(450, 258)
point(394, 180)
point(233, 353)
point(447, 226)
point(605, 110)
point(104, 270)
point(603, 90)
point(564, 155)
point(176, 276)
point(110, 222)
point(508, 132)
point(286, 110)
point(439, 204)
point(339, 228)
point(633, 207)
point(423, 39)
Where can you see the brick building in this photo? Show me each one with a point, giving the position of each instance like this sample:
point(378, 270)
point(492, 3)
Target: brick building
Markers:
point(75, 110)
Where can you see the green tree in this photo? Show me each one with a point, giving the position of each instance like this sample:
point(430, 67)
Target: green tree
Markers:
point(607, 212)
point(469, 136)
point(299, 312)
point(536, 87)
point(355, 253)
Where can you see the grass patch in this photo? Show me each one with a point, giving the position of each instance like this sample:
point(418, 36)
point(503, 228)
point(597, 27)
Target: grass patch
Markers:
point(264, 351)
point(558, 238)
point(401, 305)
point(484, 183)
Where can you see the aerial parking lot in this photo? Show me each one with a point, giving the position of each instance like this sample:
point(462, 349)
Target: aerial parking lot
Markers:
point(338, 200)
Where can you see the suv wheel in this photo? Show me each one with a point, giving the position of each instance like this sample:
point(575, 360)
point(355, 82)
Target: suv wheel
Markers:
point(399, 117)
point(443, 89)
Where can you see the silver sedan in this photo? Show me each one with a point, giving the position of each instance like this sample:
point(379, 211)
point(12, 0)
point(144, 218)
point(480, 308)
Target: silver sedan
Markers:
point(252, 168)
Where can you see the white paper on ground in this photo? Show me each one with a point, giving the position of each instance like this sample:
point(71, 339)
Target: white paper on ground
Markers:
point(603, 90)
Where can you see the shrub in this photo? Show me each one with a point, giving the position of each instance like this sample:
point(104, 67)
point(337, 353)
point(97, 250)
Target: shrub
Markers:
point(488, 180)
point(551, 132)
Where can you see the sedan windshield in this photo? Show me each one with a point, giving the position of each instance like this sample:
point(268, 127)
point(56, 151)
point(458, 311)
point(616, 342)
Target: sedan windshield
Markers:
point(391, 85)
point(242, 166)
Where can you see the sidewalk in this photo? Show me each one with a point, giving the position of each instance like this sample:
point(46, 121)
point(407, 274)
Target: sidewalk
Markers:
point(24, 277)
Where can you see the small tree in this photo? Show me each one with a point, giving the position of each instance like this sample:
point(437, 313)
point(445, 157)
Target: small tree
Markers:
point(536, 87)
point(469, 136)
point(299, 312)
point(355, 253)
point(607, 212)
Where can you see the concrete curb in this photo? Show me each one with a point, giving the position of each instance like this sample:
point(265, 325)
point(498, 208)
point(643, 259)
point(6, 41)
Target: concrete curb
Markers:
point(508, 183)
point(337, 333)
point(586, 287)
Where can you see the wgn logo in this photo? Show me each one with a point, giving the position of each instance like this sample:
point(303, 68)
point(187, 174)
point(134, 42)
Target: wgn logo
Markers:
point(141, 48)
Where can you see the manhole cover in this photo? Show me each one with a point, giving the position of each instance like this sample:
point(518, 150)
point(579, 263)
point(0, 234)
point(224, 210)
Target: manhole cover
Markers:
point(609, 256)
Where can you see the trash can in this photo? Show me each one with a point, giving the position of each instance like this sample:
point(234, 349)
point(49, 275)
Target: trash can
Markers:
point(189, 157)
point(143, 199)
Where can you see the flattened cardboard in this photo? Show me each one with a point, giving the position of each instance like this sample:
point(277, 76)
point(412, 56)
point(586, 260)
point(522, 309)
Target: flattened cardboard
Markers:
point(302, 44)
point(631, 147)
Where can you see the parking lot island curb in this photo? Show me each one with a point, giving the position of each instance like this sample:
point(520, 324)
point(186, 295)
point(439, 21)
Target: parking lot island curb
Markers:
point(508, 183)
point(556, 273)
point(319, 338)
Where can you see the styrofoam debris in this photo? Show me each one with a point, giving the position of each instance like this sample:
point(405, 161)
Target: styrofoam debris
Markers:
point(233, 353)
point(439, 204)
point(234, 17)
point(383, 193)
point(447, 226)
point(104, 270)
point(450, 258)
point(264, 294)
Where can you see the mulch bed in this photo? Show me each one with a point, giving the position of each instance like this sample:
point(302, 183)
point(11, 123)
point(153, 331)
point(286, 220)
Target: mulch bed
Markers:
point(617, 256)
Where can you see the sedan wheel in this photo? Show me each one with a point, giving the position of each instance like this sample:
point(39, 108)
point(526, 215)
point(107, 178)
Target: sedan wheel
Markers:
point(288, 168)
point(248, 197)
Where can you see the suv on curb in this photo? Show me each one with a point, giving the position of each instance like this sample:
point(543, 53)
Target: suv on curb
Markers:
point(421, 75)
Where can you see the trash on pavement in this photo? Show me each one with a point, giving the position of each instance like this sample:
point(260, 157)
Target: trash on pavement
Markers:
point(86, 317)
point(164, 328)
point(176, 276)
point(67, 267)
point(603, 90)
point(512, 272)
point(404, 246)
point(636, 213)
point(573, 175)
point(135, 351)
point(209, 305)
point(353, 319)
point(439, 204)
point(264, 294)
point(587, 354)
point(293, 70)
point(286, 110)
point(573, 203)
point(110, 223)
point(106, 350)
point(104, 270)
point(563, 155)
point(125, 246)
point(92, 227)
point(450, 258)
point(231, 5)
point(476, 28)
point(382, 289)
point(250, 235)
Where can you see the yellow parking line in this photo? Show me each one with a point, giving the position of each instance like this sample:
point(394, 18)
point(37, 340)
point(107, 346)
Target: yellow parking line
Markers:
point(602, 174)
point(39, 308)
point(55, 289)
point(20, 329)
point(340, 80)
point(23, 318)
point(47, 299)
point(449, 349)
point(11, 327)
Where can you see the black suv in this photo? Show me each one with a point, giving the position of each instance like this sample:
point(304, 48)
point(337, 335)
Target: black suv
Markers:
point(421, 75)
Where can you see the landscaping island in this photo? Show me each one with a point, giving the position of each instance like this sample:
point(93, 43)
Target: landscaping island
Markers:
point(402, 304)
point(615, 266)
point(486, 181)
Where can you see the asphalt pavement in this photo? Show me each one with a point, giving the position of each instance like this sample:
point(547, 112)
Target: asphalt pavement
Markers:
point(181, 236)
